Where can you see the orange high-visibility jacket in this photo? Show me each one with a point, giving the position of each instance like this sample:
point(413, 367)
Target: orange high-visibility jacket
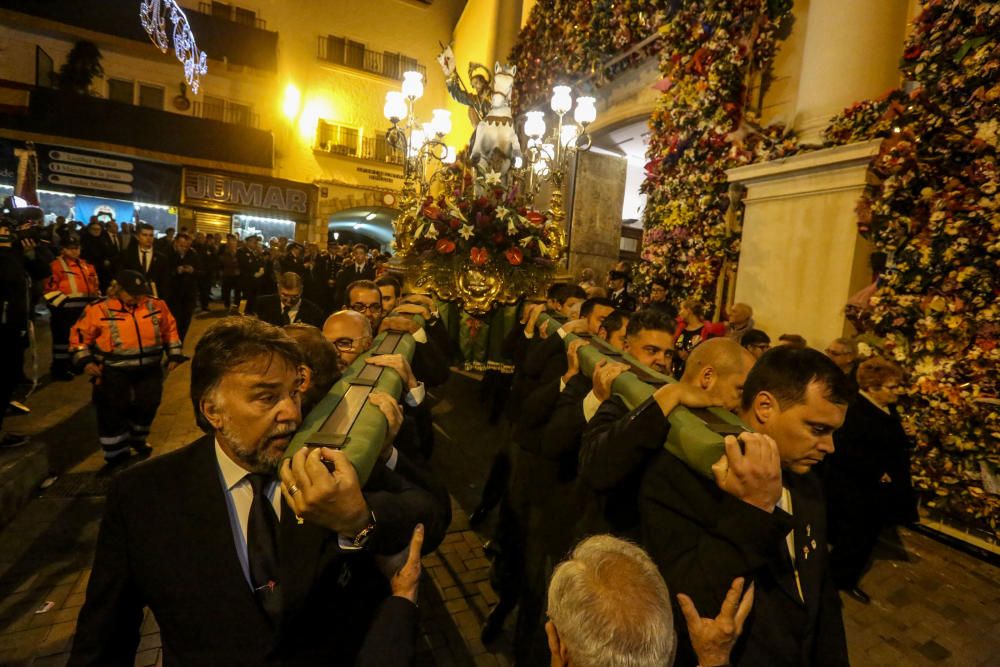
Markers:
point(121, 336)
point(73, 283)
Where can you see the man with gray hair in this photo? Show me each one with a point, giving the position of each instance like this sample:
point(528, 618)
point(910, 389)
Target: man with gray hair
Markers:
point(608, 606)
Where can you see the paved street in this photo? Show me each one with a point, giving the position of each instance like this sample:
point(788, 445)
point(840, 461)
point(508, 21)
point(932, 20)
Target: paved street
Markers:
point(931, 605)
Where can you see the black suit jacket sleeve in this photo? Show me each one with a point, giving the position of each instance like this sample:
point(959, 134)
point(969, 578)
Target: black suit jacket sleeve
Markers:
point(566, 422)
point(617, 441)
point(399, 505)
point(107, 632)
point(429, 364)
point(425, 478)
point(392, 636)
point(700, 537)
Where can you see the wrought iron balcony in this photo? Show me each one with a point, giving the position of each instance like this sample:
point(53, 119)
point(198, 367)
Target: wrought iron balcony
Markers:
point(343, 51)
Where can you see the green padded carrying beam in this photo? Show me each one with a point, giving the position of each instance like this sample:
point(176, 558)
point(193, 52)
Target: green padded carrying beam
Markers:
point(344, 419)
point(696, 436)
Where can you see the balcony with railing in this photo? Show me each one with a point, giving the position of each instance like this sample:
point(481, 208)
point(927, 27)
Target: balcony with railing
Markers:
point(59, 114)
point(226, 112)
point(231, 38)
point(338, 139)
point(348, 53)
point(232, 13)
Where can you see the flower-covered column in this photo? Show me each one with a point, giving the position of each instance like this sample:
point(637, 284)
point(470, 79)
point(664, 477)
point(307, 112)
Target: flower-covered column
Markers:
point(851, 53)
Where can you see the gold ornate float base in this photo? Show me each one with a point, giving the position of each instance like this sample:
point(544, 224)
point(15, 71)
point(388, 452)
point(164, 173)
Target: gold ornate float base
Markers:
point(476, 288)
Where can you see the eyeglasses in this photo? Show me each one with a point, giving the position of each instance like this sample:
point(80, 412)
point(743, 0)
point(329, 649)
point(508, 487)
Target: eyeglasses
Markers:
point(347, 344)
point(370, 307)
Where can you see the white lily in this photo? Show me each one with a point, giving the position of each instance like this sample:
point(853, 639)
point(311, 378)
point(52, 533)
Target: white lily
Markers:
point(466, 232)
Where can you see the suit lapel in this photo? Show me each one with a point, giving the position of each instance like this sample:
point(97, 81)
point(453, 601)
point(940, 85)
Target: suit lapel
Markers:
point(809, 543)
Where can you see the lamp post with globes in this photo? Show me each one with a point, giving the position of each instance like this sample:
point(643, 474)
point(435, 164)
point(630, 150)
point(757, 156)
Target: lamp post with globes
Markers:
point(419, 143)
point(548, 156)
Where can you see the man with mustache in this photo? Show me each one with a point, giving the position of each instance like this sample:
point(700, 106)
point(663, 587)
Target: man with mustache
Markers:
point(236, 572)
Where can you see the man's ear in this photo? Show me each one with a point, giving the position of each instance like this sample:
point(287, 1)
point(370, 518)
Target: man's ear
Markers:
point(307, 378)
point(707, 378)
point(764, 406)
point(211, 410)
point(560, 655)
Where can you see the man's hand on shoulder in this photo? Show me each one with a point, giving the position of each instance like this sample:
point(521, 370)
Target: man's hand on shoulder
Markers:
point(753, 475)
point(330, 498)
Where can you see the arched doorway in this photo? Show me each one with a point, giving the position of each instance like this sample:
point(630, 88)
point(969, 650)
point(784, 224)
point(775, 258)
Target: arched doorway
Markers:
point(371, 225)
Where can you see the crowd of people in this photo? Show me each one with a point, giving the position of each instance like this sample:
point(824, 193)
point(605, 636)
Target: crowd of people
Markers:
point(796, 504)
point(613, 550)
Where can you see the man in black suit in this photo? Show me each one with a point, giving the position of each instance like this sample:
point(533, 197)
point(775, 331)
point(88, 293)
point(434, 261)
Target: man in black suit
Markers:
point(235, 573)
point(142, 257)
point(184, 271)
point(358, 268)
point(95, 250)
point(252, 272)
point(288, 306)
point(762, 517)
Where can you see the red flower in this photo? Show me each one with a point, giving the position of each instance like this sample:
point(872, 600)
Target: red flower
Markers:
point(499, 238)
point(445, 246)
point(431, 211)
point(479, 256)
point(455, 223)
point(535, 218)
point(514, 256)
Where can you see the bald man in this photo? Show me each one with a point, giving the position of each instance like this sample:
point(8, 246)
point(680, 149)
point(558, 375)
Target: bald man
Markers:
point(740, 321)
point(618, 444)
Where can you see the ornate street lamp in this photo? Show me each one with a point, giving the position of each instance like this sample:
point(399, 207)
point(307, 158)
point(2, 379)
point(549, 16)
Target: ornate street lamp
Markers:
point(549, 156)
point(420, 144)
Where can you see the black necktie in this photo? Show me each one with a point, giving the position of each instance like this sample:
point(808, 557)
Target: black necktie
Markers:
point(262, 546)
point(145, 264)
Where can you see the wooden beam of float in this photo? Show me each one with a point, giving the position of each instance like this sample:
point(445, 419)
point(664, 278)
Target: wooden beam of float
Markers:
point(345, 419)
point(696, 435)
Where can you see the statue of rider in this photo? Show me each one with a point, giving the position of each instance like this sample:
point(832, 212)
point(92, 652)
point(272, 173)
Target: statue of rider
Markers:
point(479, 98)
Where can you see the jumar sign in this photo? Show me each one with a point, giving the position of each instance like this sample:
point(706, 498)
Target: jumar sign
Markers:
point(242, 192)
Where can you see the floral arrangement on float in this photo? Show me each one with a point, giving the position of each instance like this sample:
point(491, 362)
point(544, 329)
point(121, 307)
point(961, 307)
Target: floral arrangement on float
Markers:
point(932, 206)
point(702, 126)
point(479, 240)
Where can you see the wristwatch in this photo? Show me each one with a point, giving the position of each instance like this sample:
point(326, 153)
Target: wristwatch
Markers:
point(361, 539)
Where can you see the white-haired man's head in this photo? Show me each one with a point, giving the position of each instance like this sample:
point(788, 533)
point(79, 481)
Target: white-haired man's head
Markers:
point(608, 606)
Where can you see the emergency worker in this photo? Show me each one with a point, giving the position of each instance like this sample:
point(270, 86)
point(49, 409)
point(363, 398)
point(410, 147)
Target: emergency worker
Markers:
point(120, 341)
point(71, 287)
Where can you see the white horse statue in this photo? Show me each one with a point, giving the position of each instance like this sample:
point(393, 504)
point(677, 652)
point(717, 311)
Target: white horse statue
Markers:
point(496, 144)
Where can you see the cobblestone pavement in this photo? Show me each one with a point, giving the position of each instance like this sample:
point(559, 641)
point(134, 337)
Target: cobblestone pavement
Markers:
point(932, 605)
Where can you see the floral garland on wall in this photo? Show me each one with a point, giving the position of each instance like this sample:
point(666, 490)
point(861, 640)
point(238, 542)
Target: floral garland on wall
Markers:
point(932, 205)
point(700, 128)
point(566, 39)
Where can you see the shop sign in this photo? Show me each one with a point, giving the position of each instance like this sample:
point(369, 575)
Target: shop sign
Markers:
point(378, 177)
point(76, 171)
point(240, 192)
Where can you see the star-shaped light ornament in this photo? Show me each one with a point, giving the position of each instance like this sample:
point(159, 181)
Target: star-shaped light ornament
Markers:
point(492, 177)
point(466, 232)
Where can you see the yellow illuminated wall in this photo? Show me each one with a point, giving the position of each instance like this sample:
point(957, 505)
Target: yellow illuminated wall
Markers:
point(310, 89)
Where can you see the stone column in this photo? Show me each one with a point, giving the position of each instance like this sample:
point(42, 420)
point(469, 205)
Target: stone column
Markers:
point(594, 203)
point(801, 255)
point(852, 51)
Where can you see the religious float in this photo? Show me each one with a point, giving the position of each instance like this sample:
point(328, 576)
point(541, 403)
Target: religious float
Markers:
point(469, 232)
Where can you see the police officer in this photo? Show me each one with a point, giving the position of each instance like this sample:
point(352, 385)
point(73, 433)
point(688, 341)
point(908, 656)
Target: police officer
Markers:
point(73, 284)
point(120, 342)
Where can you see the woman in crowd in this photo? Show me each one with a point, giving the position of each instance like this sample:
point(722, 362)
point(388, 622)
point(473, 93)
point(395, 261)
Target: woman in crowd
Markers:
point(868, 476)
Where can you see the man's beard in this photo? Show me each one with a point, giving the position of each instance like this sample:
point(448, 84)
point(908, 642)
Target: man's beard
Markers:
point(258, 457)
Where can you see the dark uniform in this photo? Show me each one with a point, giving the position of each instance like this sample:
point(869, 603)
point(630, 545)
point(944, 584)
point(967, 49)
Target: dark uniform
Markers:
point(127, 341)
point(72, 285)
point(185, 273)
point(251, 265)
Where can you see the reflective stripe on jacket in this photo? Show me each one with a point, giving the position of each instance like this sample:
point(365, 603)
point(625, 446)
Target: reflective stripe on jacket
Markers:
point(123, 336)
point(73, 283)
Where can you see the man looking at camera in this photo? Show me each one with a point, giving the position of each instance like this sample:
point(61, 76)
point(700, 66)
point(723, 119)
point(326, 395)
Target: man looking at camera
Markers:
point(235, 572)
